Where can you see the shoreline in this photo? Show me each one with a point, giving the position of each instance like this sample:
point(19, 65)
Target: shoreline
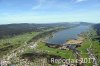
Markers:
point(79, 40)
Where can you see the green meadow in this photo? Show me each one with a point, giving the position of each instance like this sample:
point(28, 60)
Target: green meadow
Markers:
point(9, 44)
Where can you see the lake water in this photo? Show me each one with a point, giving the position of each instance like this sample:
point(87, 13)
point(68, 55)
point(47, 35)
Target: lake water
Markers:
point(62, 36)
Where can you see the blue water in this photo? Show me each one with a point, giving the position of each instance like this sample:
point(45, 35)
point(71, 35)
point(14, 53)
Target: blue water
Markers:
point(62, 36)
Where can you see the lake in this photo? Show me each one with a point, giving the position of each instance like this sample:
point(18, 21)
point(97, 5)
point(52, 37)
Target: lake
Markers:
point(61, 37)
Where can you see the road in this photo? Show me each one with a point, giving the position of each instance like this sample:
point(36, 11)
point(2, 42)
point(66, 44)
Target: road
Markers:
point(92, 56)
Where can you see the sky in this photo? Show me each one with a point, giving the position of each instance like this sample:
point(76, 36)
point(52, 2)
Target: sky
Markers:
point(49, 11)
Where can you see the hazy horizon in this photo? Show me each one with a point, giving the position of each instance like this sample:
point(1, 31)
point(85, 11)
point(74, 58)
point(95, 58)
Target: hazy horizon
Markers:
point(49, 23)
point(49, 11)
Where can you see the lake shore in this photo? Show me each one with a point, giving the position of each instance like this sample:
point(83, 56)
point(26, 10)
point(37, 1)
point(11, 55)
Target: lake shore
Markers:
point(75, 41)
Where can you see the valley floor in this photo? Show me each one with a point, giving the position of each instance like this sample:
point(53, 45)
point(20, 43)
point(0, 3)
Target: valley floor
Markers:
point(37, 52)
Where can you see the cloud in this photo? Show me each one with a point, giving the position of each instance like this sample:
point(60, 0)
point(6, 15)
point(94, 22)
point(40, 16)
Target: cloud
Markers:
point(50, 3)
point(78, 1)
point(39, 4)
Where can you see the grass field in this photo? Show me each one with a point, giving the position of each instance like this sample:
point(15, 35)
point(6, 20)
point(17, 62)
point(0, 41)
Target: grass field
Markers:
point(90, 42)
point(54, 51)
point(11, 43)
point(42, 48)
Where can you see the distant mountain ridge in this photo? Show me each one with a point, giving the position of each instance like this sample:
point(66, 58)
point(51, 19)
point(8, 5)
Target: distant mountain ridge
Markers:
point(85, 23)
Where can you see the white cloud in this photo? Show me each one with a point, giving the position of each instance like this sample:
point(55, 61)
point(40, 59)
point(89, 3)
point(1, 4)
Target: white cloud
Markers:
point(77, 1)
point(45, 3)
point(39, 4)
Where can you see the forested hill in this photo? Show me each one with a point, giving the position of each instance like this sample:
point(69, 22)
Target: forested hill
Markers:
point(85, 23)
point(16, 29)
point(97, 27)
